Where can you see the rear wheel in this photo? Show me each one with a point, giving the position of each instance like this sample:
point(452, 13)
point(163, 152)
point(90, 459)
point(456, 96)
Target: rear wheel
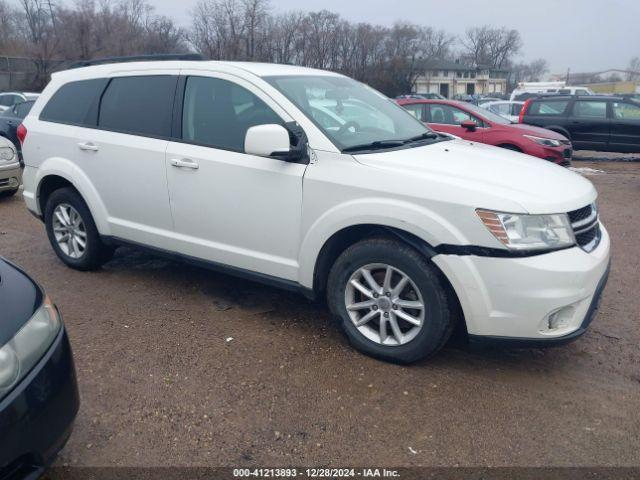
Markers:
point(390, 301)
point(72, 231)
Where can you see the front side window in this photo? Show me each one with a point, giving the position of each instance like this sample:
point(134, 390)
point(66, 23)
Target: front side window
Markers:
point(218, 113)
point(138, 105)
point(417, 110)
point(72, 101)
point(590, 109)
point(626, 111)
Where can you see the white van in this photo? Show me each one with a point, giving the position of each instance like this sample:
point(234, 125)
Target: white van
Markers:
point(552, 88)
point(316, 183)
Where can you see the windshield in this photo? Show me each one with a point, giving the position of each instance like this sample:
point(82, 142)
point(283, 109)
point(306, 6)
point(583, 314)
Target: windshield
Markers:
point(348, 112)
point(488, 114)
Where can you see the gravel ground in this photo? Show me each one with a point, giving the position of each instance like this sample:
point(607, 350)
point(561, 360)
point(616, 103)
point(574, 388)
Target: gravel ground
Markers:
point(181, 366)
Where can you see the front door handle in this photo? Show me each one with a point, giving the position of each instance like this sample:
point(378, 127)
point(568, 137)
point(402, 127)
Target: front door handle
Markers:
point(88, 146)
point(184, 163)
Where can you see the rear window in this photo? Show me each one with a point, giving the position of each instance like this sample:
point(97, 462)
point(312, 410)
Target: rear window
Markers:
point(548, 107)
point(72, 102)
point(138, 105)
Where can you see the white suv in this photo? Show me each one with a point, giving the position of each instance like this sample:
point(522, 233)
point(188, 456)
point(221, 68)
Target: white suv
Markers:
point(314, 182)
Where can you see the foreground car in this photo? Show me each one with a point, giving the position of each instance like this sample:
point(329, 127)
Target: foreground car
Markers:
point(314, 182)
point(38, 391)
point(10, 171)
point(474, 123)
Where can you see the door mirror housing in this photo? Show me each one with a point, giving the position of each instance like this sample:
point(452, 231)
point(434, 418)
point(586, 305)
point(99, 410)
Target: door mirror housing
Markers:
point(469, 125)
point(267, 141)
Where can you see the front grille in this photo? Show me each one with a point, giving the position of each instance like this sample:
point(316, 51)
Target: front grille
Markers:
point(586, 227)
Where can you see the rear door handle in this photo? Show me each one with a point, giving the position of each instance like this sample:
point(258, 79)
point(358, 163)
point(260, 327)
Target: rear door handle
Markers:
point(184, 163)
point(88, 146)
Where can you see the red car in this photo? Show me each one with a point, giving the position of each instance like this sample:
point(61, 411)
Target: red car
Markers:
point(471, 122)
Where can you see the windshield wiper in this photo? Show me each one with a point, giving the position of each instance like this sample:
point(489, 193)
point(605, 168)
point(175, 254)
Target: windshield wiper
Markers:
point(422, 136)
point(378, 144)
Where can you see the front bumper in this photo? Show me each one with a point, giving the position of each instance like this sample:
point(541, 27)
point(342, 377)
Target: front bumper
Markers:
point(36, 417)
point(10, 176)
point(560, 155)
point(513, 298)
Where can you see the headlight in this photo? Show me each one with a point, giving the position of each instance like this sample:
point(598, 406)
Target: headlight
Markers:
point(7, 155)
point(529, 232)
point(26, 348)
point(547, 142)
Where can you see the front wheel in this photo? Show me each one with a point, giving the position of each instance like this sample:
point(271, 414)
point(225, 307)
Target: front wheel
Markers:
point(390, 301)
point(72, 231)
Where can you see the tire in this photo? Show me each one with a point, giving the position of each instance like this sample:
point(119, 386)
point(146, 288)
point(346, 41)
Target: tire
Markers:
point(8, 193)
point(425, 286)
point(95, 253)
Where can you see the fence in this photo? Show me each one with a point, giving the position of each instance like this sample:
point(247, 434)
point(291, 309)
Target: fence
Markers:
point(20, 73)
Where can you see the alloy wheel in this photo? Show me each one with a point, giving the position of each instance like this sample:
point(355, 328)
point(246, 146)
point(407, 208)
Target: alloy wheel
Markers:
point(69, 230)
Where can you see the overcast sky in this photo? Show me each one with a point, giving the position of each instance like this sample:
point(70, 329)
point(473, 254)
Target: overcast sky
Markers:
point(583, 35)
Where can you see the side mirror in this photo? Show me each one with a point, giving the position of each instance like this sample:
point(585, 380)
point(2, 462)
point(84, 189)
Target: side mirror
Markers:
point(267, 140)
point(469, 125)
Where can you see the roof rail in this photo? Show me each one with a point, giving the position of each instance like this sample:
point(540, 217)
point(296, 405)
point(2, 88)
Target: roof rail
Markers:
point(137, 58)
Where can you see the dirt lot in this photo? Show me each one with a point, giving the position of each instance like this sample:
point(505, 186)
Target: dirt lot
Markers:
point(181, 366)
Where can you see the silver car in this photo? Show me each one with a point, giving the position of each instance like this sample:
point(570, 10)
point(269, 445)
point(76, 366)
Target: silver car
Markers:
point(10, 171)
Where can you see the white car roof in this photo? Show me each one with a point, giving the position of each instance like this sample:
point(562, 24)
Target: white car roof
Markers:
point(255, 68)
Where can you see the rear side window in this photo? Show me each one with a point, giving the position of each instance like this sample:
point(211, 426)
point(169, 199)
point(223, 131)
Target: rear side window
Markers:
point(417, 110)
point(138, 105)
point(72, 102)
point(548, 107)
point(590, 109)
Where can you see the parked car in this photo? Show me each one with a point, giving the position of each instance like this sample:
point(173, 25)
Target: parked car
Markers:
point(404, 231)
point(477, 124)
point(506, 109)
point(483, 100)
point(38, 390)
point(11, 118)
point(10, 171)
point(602, 123)
point(9, 99)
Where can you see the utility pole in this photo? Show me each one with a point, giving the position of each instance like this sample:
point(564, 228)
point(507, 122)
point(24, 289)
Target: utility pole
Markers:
point(567, 80)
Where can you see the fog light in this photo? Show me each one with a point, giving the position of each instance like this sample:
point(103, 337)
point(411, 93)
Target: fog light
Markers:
point(13, 182)
point(560, 318)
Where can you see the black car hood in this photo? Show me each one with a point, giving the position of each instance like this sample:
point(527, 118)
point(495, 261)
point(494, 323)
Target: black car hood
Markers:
point(20, 297)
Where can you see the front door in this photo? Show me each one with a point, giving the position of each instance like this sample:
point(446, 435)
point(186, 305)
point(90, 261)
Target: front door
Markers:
point(444, 90)
point(625, 127)
point(230, 207)
point(589, 125)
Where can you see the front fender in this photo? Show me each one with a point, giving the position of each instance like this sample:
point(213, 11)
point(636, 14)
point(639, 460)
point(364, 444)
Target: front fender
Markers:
point(421, 222)
point(64, 168)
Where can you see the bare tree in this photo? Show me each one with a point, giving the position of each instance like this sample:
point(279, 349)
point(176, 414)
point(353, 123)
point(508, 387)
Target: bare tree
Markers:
point(492, 47)
point(634, 69)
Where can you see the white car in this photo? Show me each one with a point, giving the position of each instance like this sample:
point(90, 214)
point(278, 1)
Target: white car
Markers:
point(9, 99)
point(506, 109)
point(405, 232)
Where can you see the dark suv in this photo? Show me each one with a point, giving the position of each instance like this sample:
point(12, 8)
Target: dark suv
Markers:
point(594, 122)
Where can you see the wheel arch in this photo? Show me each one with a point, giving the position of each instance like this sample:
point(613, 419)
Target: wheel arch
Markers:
point(58, 173)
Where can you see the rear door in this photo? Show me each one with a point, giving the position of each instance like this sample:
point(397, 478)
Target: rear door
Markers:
point(124, 155)
point(446, 118)
point(589, 124)
point(625, 127)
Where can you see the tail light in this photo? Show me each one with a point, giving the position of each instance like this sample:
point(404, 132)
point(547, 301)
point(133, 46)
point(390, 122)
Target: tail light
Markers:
point(523, 111)
point(21, 132)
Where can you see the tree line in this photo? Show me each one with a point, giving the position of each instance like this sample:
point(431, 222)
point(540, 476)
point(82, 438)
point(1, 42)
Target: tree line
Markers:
point(389, 58)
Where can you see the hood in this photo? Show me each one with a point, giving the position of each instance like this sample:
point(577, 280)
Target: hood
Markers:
point(537, 185)
point(525, 129)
